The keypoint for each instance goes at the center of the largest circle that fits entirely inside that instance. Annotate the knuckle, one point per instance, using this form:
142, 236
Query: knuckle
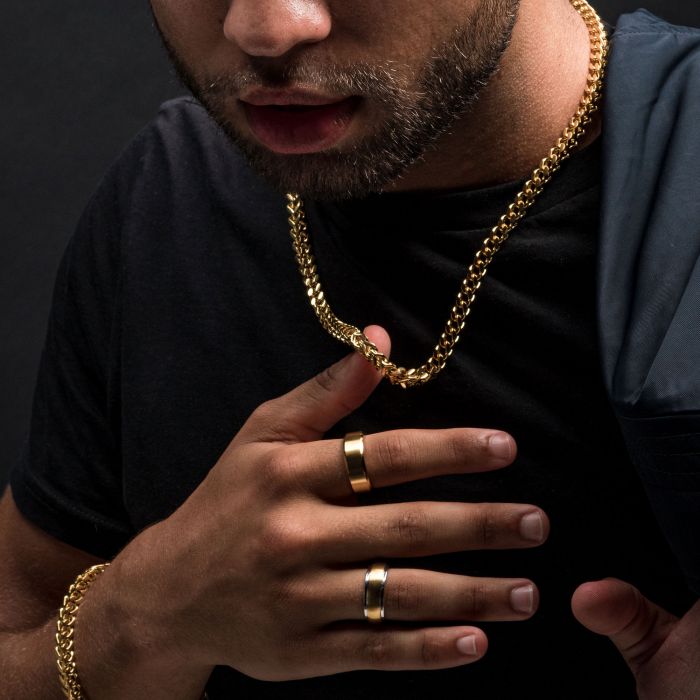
404, 595
431, 651
475, 602
264, 413
459, 444
325, 381
377, 650
486, 526
281, 596
267, 421
280, 470
471, 442
284, 540
412, 527
325, 385
294, 594
396, 453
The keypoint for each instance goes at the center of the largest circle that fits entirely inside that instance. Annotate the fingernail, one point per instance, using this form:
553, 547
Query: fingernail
532, 527
522, 599
467, 645
500, 446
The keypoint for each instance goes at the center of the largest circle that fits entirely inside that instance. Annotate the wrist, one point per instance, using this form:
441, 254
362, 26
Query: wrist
65, 627
122, 650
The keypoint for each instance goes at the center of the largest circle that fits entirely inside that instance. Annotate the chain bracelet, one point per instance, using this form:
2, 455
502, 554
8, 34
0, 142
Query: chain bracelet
65, 651
570, 138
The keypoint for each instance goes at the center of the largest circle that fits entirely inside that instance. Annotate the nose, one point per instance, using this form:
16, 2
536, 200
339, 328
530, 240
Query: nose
274, 27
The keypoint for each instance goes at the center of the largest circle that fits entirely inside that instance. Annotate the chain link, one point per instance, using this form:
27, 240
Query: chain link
65, 651
570, 138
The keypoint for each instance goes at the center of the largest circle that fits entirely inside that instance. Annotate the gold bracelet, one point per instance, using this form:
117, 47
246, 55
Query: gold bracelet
67, 670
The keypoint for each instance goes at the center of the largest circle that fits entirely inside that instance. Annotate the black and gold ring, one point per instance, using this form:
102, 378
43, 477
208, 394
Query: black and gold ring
375, 583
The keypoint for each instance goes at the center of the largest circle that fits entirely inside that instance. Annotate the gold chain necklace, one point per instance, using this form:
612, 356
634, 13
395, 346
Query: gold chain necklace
570, 138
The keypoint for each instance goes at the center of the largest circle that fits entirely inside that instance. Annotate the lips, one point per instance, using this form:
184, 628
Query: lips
288, 128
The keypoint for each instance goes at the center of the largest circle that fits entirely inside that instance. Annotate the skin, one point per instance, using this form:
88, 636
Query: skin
271, 581
534, 82
515, 119
281, 510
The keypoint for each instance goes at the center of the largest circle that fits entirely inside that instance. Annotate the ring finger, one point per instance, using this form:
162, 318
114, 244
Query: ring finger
413, 595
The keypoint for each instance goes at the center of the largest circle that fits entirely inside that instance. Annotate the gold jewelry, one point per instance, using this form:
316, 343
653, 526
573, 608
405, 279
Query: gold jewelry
67, 670
354, 449
375, 583
354, 337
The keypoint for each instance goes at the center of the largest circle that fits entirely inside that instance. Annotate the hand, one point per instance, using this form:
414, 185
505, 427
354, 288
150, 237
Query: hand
262, 568
662, 651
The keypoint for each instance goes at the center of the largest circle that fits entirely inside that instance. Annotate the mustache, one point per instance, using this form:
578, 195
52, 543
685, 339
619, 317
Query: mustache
387, 82
383, 82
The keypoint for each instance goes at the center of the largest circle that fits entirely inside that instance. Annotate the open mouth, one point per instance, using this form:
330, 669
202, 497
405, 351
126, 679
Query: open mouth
300, 128
295, 108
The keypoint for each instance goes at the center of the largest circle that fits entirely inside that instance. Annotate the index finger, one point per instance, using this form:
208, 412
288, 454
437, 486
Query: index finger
398, 456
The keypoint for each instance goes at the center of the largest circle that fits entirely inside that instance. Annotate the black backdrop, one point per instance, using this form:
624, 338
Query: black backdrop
78, 80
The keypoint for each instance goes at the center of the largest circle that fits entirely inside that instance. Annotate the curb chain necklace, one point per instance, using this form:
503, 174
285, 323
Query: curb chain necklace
354, 337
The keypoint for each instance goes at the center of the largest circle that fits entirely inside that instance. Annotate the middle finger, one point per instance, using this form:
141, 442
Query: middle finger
419, 529
396, 457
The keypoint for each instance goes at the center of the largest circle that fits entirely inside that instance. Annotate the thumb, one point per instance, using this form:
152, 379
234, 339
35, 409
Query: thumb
313, 408
618, 610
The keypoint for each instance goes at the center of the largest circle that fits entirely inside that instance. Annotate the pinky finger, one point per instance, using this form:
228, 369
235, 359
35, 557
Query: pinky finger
389, 648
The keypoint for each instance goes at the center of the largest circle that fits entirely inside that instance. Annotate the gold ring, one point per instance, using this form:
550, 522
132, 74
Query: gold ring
354, 448
375, 582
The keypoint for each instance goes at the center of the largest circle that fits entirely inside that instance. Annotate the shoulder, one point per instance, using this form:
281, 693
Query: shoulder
647, 46
182, 150
648, 274
182, 170
183, 131
644, 22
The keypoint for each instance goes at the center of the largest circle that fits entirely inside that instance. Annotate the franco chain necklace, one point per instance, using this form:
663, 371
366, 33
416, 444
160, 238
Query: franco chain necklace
570, 138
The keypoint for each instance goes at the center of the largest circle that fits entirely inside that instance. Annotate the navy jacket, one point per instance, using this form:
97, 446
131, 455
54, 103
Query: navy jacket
648, 286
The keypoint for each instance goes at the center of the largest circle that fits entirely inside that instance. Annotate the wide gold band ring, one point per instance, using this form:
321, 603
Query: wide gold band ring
354, 448
375, 583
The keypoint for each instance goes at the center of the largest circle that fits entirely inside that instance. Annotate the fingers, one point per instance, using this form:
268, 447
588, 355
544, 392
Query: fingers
417, 595
358, 647
310, 410
398, 456
618, 610
419, 529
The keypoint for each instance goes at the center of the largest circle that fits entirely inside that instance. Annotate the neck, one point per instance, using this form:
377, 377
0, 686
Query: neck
523, 110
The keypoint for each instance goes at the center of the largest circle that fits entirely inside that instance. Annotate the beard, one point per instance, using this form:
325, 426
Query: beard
415, 107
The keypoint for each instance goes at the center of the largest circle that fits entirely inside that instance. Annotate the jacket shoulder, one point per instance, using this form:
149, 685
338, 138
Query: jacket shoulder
644, 22
648, 268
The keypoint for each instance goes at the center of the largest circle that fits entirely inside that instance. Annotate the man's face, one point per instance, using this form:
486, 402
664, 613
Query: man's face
335, 98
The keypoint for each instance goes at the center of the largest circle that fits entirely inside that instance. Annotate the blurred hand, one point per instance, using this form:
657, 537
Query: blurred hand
662, 651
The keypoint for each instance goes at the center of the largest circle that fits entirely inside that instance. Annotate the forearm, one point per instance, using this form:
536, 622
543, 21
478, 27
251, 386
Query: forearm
29, 664
121, 656
111, 662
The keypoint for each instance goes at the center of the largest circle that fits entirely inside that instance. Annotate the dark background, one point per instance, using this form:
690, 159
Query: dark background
79, 79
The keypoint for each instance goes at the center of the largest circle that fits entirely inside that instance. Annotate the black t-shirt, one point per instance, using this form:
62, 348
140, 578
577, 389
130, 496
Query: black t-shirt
178, 309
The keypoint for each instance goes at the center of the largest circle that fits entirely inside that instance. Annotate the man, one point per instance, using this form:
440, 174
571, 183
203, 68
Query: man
177, 435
